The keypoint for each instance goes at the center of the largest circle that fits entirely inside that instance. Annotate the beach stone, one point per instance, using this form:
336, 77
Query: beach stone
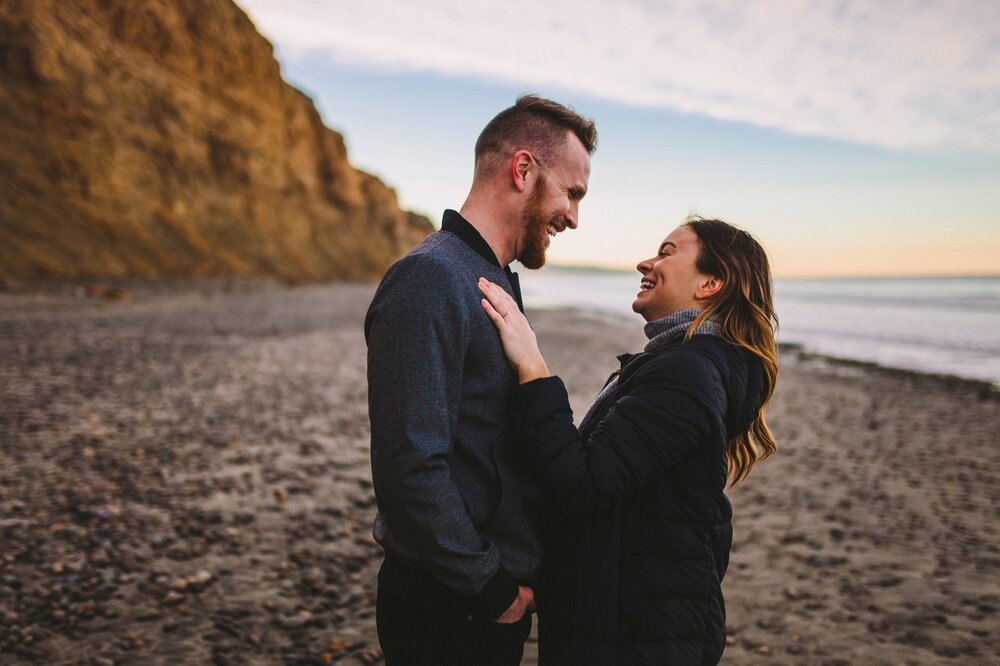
372, 656
172, 599
300, 619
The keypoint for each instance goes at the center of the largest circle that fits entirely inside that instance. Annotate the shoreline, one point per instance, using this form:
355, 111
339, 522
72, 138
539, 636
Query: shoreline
802, 356
115, 289
799, 354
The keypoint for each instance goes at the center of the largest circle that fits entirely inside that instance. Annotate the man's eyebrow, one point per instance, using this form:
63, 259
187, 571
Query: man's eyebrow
578, 192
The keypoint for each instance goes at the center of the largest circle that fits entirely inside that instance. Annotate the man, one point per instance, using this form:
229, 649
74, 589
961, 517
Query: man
458, 516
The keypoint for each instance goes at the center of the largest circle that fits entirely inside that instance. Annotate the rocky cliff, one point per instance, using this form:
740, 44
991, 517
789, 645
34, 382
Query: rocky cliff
157, 138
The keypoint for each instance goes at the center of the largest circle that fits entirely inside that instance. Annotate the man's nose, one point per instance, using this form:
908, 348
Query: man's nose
572, 220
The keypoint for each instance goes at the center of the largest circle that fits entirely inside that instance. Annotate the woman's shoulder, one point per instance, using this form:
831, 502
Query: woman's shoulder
702, 360
688, 361
717, 349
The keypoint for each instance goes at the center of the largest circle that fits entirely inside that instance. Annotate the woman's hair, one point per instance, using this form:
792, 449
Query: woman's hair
744, 310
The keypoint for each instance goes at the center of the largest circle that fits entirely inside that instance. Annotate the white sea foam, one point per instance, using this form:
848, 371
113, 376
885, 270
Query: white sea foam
941, 325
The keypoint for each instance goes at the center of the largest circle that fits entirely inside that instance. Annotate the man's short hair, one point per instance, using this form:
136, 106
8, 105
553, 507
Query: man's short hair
535, 124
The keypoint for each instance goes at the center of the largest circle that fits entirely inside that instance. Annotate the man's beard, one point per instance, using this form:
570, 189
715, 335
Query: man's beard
535, 228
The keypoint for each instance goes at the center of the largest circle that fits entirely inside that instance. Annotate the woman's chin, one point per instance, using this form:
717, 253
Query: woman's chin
638, 306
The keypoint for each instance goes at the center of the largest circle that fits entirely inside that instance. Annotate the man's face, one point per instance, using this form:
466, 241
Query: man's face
553, 205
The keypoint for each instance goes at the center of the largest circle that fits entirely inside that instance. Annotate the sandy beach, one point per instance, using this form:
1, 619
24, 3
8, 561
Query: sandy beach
184, 478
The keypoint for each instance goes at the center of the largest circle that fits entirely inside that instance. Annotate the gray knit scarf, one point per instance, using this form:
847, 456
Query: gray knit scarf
674, 327
661, 332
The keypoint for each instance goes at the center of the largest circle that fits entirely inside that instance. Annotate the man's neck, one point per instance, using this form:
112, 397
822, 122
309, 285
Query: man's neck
494, 229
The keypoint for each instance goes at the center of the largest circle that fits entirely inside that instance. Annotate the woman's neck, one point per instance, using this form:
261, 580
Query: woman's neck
674, 326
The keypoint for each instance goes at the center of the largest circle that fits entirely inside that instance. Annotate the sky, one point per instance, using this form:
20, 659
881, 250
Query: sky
852, 138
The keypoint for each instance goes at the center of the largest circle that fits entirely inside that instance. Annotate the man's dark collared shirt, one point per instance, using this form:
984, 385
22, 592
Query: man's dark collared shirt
453, 222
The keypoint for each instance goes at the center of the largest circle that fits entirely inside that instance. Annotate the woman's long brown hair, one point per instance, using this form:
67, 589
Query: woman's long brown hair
744, 309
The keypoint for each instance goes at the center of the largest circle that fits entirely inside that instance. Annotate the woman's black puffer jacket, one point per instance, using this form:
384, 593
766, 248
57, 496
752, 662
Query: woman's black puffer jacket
640, 527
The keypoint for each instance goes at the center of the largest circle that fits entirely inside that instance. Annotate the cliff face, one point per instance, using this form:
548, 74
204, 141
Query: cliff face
157, 138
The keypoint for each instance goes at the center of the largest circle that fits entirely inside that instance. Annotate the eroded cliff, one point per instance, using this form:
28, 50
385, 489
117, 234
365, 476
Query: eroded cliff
159, 139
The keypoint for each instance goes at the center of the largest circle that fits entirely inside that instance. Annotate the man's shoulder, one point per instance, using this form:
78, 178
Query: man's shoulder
438, 257
430, 283
429, 244
439, 253
434, 275
440, 244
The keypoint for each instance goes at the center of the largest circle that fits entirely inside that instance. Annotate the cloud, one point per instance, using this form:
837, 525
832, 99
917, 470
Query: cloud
903, 74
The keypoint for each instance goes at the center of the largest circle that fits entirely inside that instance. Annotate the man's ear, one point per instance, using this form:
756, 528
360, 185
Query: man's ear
708, 288
520, 168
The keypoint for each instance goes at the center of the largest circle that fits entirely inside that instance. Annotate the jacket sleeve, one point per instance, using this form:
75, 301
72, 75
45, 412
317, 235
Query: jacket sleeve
670, 410
417, 334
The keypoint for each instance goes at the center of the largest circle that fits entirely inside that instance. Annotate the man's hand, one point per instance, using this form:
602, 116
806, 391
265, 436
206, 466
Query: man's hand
524, 602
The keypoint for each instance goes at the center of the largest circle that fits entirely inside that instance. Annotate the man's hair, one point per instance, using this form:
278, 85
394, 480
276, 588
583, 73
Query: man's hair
535, 124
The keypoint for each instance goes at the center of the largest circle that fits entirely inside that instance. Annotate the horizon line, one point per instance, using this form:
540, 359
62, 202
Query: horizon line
617, 268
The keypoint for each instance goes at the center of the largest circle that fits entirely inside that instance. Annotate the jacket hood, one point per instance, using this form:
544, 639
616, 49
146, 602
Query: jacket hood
742, 376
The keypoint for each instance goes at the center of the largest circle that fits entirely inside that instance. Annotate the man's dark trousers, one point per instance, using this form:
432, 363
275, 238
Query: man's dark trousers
423, 623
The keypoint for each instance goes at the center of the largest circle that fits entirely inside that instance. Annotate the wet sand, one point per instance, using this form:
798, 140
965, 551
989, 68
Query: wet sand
184, 479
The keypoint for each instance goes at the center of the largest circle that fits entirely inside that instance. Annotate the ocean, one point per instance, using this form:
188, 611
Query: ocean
947, 325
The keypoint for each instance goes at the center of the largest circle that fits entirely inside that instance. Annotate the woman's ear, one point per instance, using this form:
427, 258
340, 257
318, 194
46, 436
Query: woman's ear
708, 288
520, 167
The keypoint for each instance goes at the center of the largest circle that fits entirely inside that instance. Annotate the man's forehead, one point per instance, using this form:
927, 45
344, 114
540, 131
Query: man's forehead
573, 164
577, 146
579, 159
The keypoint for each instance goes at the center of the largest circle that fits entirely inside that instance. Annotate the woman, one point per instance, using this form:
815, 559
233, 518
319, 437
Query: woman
641, 529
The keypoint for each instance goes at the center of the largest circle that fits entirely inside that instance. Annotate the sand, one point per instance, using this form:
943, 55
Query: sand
184, 479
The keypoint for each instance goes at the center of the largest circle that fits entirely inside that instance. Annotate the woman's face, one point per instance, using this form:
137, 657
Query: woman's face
670, 280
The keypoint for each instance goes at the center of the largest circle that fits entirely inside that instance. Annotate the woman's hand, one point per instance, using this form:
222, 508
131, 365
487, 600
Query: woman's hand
517, 337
